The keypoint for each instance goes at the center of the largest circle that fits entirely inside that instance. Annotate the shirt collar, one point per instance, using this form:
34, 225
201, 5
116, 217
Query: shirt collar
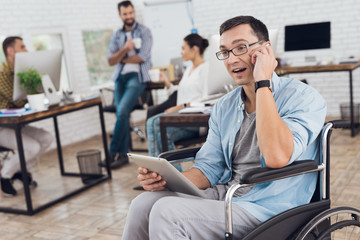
134, 27
8, 68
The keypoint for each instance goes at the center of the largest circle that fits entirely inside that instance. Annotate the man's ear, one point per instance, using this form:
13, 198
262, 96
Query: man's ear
10, 51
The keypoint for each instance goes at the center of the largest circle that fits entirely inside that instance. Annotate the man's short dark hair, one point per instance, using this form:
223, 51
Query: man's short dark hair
124, 4
9, 42
259, 28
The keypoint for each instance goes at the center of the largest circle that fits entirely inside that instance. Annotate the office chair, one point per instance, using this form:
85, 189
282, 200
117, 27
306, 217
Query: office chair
315, 220
4, 153
144, 101
304, 81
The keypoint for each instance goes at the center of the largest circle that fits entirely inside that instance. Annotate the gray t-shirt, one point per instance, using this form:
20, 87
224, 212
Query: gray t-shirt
246, 153
245, 156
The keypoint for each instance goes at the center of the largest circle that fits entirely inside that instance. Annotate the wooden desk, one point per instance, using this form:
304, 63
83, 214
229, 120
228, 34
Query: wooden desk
329, 68
180, 120
18, 122
159, 85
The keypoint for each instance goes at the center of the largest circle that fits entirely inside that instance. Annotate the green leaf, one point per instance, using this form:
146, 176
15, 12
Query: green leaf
30, 81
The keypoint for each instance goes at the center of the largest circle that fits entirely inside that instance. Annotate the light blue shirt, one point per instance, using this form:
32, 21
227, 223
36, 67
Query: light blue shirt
117, 42
303, 110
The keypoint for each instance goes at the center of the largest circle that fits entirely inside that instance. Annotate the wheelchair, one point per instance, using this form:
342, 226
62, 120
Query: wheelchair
315, 220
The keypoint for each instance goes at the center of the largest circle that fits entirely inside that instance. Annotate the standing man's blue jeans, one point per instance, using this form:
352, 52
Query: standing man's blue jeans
127, 90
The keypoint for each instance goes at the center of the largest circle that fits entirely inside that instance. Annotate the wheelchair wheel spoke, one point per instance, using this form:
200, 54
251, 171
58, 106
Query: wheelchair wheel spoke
339, 223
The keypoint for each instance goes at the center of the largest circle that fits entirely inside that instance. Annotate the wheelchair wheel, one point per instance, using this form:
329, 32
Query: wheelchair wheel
337, 223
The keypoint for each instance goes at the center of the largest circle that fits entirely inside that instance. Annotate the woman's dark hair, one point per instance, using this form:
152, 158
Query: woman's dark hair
9, 42
124, 4
257, 26
196, 40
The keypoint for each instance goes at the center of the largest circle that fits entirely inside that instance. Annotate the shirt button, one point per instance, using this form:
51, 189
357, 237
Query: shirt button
238, 121
230, 144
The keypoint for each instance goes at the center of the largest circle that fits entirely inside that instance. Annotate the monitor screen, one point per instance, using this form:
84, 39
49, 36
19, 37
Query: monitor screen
46, 62
218, 75
307, 36
273, 37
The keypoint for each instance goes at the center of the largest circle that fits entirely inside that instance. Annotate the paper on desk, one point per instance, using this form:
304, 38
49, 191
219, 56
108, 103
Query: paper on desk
12, 110
205, 110
15, 112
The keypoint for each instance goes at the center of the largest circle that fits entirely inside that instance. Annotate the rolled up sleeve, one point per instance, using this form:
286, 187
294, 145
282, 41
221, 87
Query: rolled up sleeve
305, 121
146, 44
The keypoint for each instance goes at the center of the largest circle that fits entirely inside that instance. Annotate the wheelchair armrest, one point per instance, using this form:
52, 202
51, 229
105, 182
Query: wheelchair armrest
179, 153
259, 175
341, 124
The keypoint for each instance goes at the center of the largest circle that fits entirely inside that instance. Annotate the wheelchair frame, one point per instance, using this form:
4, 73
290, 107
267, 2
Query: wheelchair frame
309, 221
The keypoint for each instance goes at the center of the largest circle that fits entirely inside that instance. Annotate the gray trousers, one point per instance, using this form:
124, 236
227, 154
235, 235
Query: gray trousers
169, 215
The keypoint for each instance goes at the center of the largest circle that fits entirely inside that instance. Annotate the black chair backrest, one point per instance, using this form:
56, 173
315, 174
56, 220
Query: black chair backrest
144, 99
159, 108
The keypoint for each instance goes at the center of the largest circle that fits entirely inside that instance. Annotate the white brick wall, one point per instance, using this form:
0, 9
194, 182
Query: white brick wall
19, 16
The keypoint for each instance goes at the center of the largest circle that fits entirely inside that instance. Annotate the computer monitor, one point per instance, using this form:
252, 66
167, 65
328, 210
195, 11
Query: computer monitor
45, 62
219, 77
273, 36
178, 67
307, 36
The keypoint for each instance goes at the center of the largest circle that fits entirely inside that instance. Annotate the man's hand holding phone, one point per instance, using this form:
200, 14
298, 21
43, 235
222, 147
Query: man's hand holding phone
264, 62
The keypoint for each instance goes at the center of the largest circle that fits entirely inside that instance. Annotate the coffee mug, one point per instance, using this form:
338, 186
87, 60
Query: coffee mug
154, 74
137, 43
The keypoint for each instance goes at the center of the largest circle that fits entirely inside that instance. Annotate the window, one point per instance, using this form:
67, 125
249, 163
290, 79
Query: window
2, 55
96, 44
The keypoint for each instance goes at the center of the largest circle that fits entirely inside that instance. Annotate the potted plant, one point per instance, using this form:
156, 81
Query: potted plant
30, 82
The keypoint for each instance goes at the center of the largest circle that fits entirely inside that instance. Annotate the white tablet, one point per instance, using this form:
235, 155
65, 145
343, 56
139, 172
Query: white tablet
175, 181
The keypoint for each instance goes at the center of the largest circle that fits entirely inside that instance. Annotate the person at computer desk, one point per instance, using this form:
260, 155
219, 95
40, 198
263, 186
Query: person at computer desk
267, 121
190, 88
130, 52
35, 140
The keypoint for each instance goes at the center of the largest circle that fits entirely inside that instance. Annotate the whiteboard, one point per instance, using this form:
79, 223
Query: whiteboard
169, 24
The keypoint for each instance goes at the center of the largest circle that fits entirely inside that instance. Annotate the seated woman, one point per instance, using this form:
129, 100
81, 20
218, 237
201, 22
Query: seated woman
190, 88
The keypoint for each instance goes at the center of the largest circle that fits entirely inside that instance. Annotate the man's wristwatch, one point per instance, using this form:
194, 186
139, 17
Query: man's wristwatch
262, 83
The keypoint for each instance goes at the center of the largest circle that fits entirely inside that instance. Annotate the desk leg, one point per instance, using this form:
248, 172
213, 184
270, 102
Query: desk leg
352, 123
58, 146
23, 169
164, 140
104, 138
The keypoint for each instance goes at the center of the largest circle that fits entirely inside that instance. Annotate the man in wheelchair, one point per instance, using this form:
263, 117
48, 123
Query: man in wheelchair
268, 121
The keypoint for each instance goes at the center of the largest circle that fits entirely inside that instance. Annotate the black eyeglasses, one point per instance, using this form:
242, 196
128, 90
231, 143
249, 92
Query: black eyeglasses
237, 51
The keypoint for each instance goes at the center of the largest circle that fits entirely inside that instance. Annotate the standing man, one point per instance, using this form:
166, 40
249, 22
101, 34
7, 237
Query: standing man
267, 121
35, 140
133, 62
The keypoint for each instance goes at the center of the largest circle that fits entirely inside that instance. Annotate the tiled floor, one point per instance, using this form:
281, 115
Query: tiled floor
100, 212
